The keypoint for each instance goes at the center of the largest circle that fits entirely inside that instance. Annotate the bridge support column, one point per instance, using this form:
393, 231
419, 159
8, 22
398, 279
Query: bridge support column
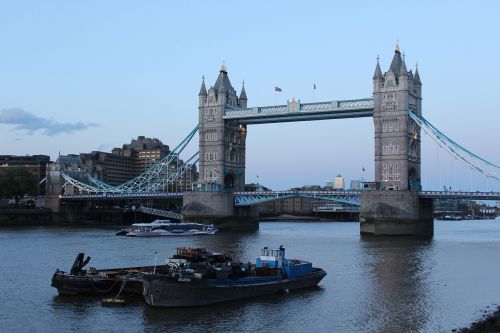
218, 208
53, 202
396, 213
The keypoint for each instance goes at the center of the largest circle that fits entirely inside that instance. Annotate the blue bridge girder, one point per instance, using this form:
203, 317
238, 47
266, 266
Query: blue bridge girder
460, 195
121, 196
296, 111
255, 198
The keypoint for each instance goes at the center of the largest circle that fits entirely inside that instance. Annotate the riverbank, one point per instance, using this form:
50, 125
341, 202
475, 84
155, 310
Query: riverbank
489, 324
46, 217
25, 217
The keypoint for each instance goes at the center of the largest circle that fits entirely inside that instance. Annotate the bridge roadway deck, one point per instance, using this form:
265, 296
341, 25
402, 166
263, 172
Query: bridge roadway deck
121, 196
282, 194
296, 111
460, 195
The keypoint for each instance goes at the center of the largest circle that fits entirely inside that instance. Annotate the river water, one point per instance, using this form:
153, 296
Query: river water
373, 284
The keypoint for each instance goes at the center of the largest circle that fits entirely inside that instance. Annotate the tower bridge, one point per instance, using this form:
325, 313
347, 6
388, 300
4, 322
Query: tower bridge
394, 208
398, 206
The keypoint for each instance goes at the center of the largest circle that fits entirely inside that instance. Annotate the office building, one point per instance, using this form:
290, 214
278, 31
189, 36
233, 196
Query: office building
35, 164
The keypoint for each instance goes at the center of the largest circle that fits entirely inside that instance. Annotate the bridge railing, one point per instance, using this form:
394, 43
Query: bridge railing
331, 106
110, 196
340, 192
461, 194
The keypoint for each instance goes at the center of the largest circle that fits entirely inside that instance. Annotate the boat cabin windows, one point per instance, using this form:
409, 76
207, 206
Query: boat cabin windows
272, 254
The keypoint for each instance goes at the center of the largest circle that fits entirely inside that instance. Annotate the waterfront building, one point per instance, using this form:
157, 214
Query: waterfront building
290, 206
127, 162
338, 183
452, 207
355, 185
132, 159
113, 169
255, 187
335, 210
35, 164
144, 152
72, 166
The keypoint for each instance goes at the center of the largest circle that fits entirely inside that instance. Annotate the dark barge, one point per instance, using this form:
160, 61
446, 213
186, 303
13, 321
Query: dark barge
91, 281
79, 281
184, 283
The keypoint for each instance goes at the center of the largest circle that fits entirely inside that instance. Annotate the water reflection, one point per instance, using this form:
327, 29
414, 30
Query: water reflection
249, 315
399, 269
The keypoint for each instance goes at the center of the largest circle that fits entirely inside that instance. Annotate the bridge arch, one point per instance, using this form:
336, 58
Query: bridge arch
413, 179
229, 181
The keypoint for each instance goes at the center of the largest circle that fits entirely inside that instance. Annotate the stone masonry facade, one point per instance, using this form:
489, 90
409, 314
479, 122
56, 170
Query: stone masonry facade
222, 143
397, 137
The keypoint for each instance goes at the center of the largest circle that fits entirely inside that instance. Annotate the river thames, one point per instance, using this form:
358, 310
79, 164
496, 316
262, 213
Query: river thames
373, 284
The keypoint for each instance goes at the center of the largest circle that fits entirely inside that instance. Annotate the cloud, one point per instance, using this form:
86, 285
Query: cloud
24, 120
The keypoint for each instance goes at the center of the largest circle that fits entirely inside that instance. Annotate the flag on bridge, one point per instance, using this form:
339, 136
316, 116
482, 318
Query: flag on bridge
277, 89
314, 85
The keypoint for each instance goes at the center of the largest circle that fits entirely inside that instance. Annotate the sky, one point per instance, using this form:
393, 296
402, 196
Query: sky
83, 76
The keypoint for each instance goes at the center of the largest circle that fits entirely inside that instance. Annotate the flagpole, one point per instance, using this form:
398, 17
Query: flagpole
274, 96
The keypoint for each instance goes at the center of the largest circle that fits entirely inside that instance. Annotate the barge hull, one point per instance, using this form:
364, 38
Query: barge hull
163, 291
68, 284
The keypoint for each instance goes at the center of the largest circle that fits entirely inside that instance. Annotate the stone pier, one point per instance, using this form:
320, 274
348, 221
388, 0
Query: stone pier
395, 213
218, 208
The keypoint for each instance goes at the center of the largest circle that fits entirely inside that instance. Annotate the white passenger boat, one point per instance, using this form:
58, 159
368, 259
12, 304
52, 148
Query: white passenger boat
167, 228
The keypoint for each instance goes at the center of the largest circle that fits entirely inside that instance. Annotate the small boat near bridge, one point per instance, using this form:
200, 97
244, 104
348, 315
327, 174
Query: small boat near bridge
167, 228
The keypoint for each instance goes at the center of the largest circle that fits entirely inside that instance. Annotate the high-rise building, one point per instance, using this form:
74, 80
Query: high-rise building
125, 163
111, 168
338, 183
145, 152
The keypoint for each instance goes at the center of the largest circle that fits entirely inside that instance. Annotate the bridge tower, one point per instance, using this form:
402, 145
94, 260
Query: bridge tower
397, 137
396, 208
222, 143
221, 160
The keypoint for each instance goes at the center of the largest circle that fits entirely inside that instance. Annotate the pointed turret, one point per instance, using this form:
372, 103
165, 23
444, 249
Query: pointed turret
203, 89
242, 101
222, 84
378, 78
243, 94
416, 78
223, 90
403, 71
378, 72
396, 61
